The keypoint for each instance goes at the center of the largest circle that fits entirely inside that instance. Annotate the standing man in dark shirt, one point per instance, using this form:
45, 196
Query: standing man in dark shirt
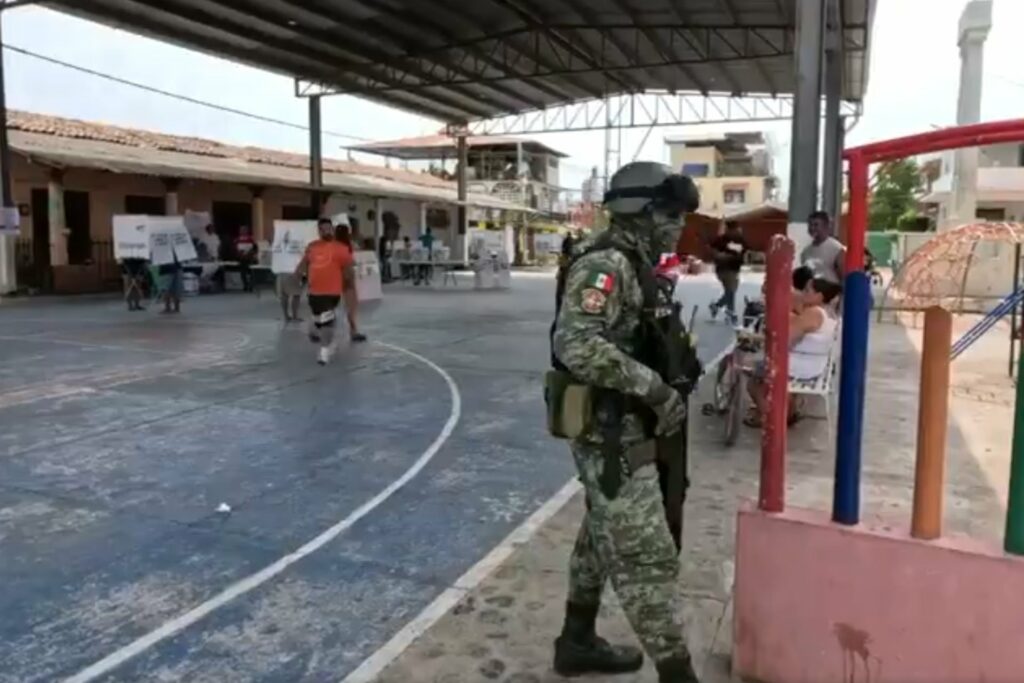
729, 250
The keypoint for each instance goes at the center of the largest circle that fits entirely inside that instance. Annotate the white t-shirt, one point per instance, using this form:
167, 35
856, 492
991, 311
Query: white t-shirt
821, 258
212, 242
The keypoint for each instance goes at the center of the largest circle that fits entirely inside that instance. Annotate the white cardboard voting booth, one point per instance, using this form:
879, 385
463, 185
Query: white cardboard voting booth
158, 239
291, 239
367, 269
491, 269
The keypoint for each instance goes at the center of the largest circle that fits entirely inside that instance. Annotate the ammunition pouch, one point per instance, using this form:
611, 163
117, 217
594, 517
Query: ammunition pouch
569, 405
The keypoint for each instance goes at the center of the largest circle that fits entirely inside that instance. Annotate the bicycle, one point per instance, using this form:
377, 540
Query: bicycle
731, 375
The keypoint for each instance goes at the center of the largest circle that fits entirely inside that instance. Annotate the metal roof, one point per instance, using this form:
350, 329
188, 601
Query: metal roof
441, 146
83, 144
463, 61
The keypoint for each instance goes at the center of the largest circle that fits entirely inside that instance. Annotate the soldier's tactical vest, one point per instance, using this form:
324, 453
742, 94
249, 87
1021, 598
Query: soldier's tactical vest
661, 342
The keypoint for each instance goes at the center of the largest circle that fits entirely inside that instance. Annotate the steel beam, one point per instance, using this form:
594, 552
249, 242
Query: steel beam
321, 51
610, 36
538, 23
641, 110
803, 175
8, 233
386, 30
439, 28
730, 9
667, 51
572, 63
316, 157
832, 163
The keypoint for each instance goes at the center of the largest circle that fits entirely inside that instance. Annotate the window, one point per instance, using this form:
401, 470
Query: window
1020, 155
735, 196
696, 170
998, 214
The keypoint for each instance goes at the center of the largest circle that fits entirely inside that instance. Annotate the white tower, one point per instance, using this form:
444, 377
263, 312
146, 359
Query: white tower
975, 23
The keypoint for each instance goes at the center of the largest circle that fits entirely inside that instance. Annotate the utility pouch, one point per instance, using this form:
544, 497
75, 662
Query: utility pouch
570, 405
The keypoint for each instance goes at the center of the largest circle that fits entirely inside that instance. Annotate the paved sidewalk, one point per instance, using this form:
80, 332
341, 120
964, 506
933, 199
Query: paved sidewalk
502, 629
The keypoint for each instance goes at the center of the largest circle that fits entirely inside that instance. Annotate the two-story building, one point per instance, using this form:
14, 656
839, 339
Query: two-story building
1000, 187
517, 170
732, 170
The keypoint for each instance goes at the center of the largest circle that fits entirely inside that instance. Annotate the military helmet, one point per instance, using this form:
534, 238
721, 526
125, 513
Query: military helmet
643, 186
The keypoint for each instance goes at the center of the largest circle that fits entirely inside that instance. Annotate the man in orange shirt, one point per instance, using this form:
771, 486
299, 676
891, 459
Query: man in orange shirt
324, 264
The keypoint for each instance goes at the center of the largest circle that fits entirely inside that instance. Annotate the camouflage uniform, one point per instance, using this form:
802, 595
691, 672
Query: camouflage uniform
625, 539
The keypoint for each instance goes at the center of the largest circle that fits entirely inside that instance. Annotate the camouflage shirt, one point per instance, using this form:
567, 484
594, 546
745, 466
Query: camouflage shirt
596, 327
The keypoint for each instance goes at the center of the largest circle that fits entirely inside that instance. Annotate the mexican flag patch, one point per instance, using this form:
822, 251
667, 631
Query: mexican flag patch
602, 281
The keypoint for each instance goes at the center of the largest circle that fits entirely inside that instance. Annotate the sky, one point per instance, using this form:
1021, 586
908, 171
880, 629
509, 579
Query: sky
912, 86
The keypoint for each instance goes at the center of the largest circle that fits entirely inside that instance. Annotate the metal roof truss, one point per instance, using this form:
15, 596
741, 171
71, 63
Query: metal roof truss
642, 110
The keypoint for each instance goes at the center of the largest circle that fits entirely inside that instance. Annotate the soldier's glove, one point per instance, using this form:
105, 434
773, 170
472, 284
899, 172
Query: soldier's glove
670, 408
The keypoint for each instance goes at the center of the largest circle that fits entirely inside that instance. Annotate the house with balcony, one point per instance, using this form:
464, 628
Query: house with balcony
1000, 187
515, 169
734, 171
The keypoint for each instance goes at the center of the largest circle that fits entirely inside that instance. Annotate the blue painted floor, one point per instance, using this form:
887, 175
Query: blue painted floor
123, 432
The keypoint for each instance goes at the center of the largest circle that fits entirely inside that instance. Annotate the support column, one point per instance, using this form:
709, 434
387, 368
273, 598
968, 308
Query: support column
9, 222
422, 228
316, 171
58, 228
462, 247
378, 220
171, 186
932, 425
803, 173
975, 23
259, 218
832, 166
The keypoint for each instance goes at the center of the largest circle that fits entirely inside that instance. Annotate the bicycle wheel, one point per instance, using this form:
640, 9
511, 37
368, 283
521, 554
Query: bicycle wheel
727, 393
723, 385
734, 415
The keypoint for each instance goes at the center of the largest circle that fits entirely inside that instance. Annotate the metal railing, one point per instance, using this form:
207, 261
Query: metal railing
1005, 307
39, 275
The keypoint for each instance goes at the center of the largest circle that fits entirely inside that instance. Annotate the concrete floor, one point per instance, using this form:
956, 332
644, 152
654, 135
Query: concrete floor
502, 628
123, 432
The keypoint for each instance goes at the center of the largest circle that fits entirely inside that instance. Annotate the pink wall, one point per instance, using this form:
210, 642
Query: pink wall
820, 603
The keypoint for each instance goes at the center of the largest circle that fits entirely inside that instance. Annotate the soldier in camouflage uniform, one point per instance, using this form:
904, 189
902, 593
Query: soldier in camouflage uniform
625, 537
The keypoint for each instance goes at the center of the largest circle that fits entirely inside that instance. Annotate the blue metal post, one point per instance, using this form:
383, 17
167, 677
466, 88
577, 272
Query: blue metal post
852, 378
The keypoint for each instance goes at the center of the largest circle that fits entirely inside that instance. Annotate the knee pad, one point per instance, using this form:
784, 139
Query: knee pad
324, 319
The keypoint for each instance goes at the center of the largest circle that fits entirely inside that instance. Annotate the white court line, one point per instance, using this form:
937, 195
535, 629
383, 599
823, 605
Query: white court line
373, 665
183, 621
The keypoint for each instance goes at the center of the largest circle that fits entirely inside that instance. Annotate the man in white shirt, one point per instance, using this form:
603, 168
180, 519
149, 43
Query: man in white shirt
825, 255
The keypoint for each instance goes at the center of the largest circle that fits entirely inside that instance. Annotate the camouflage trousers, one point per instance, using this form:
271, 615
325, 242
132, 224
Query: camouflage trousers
627, 540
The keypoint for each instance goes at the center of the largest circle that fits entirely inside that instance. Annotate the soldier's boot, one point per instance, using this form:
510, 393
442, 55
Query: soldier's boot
579, 650
677, 670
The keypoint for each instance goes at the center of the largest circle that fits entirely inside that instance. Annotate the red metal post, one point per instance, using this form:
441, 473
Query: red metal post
858, 218
778, 290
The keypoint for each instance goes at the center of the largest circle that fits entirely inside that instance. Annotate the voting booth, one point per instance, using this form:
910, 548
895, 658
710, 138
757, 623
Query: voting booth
491, 266
161, 240
291, 239
367, 267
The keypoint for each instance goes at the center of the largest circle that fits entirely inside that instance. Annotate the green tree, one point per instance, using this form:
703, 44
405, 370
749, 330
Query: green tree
894, 195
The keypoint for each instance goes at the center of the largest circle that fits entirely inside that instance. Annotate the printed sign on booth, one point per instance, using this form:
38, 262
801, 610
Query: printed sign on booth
131, 237
160, 239
290, 241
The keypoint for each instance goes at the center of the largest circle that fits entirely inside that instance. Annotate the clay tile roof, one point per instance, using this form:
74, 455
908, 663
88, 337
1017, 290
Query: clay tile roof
131, 137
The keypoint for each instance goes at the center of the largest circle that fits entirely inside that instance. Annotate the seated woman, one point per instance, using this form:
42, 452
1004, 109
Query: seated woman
811, 335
